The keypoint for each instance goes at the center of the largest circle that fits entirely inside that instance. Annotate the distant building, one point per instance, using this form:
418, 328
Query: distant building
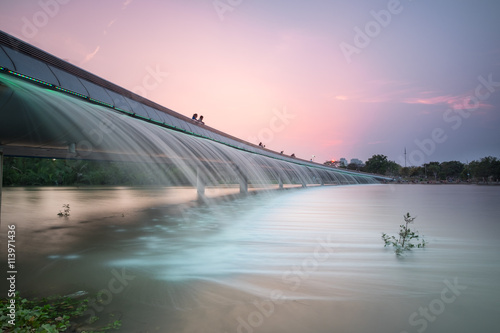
343, 162
357, 162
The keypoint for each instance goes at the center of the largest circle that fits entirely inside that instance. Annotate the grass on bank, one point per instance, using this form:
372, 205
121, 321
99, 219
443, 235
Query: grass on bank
51, 315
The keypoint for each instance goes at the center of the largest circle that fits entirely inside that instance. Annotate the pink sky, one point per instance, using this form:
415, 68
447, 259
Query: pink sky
259, 59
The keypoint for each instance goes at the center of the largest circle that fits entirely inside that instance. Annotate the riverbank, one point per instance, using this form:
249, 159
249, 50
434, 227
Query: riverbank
441, 182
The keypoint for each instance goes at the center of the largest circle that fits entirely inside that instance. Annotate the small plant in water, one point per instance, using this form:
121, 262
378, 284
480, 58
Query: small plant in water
406, 236
65, 212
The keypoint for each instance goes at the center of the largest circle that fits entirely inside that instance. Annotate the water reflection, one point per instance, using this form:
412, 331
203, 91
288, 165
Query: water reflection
313, 256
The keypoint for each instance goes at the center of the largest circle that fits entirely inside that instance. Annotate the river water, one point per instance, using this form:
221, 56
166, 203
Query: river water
300, 260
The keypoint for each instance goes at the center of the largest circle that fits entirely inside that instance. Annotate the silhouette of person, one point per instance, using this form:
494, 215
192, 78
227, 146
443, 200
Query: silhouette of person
293, 155
195, 116
201, 120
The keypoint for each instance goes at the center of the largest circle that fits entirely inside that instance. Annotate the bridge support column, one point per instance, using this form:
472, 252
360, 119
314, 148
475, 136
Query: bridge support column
321, 181
244, 185
200, 183
280, 183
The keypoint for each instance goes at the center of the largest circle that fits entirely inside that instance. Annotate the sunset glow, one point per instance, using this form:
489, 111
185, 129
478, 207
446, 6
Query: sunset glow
325, 78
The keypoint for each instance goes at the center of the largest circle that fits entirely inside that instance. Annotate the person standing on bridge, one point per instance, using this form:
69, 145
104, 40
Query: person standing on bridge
201, 120
195, 116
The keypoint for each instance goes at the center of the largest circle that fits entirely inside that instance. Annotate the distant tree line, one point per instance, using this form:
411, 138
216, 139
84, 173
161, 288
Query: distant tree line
487, 169
19, 171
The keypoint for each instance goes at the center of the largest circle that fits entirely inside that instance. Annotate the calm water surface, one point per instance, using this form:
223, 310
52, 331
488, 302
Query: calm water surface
292, 261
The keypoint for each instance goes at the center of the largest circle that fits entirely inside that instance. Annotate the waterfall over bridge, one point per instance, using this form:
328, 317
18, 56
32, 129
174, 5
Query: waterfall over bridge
52, 109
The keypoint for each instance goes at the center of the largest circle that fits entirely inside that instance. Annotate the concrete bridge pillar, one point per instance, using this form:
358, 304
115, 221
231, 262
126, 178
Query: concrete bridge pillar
200, 183
280, 183
242, 179
243, 185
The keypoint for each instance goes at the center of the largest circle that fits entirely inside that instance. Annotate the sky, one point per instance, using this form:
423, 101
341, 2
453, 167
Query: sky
321, 79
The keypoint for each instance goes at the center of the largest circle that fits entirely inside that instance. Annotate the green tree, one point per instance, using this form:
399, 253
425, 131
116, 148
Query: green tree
485, 169
432, 168
417, 171
404, 172
353, 166
451, 169
393, 169
377, 164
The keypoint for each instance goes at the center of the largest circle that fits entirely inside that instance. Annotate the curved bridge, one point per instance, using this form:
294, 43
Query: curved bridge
50, 108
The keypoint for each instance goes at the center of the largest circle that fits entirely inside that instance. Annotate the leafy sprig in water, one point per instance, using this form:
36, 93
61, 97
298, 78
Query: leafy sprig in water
406, 237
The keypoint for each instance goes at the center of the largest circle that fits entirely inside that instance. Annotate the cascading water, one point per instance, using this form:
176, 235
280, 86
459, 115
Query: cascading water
46, 119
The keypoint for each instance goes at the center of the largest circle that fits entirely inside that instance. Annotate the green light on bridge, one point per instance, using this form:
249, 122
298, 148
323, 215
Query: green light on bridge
31, 78
71, 92
142, 117
157, 121
99, 102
